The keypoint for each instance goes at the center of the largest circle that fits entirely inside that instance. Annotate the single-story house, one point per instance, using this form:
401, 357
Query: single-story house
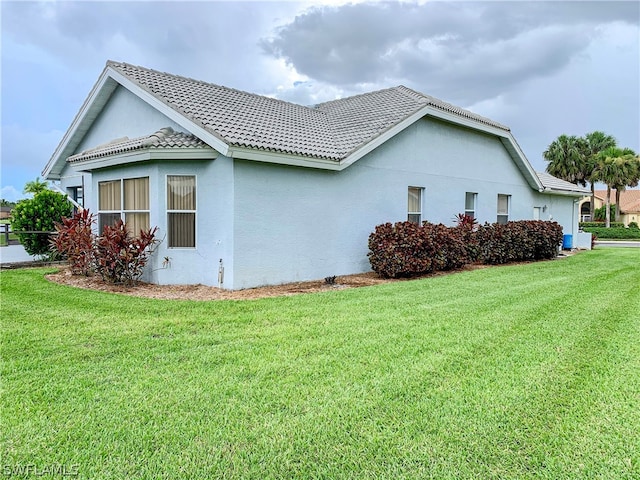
248, 190
629, 205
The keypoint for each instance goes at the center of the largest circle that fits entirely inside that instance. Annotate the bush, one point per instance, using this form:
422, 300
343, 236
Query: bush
584, 225
119, 256
633, 225
600, 214
75, 241
517, 241
406, 249
39, 214
619, 233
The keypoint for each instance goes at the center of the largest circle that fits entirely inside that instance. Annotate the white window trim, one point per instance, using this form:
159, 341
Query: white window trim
498, 214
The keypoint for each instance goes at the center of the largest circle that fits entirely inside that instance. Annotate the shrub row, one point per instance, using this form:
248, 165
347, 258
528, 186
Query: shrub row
584, 225
116, 255
617, 233
405, 249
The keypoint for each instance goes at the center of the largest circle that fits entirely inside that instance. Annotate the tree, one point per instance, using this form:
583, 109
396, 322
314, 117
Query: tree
629, 175
39, 214
35, 186
616, 168
566, 157
596, 142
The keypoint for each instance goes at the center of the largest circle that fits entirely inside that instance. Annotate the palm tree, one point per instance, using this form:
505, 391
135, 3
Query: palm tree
629, 176
617, 168
566, 157
36, 186
596, 142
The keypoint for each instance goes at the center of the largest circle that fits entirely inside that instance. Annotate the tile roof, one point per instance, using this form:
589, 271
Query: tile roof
554, 183
329, 130
163, 138
629, 199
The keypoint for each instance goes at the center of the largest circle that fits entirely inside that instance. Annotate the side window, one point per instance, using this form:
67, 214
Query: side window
109, 203
414, 207
126, 199
470, 204
503, 208
181, 211
136, 204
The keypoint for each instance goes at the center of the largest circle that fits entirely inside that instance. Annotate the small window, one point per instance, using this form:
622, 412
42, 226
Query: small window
414, 209
503, 208
470, 204
181, 211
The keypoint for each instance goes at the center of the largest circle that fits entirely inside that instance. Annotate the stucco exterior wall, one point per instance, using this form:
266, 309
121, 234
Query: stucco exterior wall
125, 115
295, 224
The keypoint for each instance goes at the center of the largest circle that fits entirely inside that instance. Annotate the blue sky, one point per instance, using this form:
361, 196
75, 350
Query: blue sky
542, 68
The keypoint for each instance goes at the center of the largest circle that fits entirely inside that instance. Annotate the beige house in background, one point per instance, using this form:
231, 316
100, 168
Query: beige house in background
629, 205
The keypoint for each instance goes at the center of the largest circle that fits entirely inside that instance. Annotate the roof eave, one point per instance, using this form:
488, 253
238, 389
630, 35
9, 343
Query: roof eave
145, 156
90, 109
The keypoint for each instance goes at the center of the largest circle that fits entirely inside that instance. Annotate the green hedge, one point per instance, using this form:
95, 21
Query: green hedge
614, 233
585, 225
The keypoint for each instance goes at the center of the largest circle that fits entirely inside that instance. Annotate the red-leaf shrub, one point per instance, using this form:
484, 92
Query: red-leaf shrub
405, 249
74, 241
518, 241
119, 256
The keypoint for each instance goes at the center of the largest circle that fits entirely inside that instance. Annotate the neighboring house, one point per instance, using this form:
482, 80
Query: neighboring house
5, 212
248, 190
629, 205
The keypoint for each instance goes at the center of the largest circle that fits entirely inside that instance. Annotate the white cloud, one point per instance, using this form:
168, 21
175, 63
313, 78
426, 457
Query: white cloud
12, 194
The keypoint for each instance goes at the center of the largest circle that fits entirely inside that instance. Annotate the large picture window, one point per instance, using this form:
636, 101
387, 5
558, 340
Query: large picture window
181, 211
126, 200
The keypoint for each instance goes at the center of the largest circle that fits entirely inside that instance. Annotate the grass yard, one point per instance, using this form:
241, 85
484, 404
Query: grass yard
525, 371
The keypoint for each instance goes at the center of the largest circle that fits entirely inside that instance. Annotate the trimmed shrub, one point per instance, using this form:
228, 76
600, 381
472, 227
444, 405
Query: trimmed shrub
405, 249
522, 240
620, 233
39, 214
584, 225
633, 225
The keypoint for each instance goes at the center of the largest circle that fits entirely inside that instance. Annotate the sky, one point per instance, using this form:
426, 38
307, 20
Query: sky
542, 68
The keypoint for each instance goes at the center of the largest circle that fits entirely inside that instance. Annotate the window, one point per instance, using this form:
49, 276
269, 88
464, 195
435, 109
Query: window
130, 193
414, 208
503, 208
181, 211
76, 194
470, 204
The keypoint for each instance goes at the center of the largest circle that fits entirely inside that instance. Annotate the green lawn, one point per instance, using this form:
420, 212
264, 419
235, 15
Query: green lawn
527, 371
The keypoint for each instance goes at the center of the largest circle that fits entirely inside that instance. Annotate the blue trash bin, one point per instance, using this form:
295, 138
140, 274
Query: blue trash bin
567, 242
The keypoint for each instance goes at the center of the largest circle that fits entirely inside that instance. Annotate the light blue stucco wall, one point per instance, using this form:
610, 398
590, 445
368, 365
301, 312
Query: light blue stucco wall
296, 224
125, 115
